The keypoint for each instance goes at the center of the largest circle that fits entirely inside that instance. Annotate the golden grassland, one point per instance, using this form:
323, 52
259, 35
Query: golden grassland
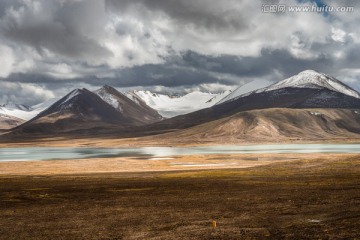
306, 197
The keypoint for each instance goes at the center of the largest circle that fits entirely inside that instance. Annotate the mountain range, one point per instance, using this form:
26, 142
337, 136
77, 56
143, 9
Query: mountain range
165, 105
308, 105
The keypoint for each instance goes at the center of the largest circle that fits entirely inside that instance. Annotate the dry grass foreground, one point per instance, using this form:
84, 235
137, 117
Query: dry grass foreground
313, 198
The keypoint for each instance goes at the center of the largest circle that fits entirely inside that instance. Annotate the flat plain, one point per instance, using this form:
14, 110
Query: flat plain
311, 197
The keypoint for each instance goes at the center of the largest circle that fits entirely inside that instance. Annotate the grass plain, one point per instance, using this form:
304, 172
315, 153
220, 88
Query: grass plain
310, 197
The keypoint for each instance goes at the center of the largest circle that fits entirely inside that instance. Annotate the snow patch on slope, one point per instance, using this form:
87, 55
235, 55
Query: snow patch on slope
169, 106
15, 106
244, 89
70, 96
109, 98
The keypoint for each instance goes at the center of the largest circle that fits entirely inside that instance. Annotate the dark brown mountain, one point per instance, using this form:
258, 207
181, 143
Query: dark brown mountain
80, 109
7, 122
137, 110
271, 125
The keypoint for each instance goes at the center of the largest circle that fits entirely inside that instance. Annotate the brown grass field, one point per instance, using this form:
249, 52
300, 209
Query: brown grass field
308, 197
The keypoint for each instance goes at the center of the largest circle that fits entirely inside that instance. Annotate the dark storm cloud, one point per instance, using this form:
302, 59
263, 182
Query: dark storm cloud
54, 37
201, 14
269, 60
166, 74
192, 68
61, 30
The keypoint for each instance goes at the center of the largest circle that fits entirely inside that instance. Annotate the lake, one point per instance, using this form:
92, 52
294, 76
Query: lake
158, 153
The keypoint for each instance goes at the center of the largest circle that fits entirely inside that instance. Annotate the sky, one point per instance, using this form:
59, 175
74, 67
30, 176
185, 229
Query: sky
49, 47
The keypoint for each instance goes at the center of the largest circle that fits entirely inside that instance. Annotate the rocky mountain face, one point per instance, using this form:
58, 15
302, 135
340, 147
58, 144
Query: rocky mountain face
135, 110
80, 109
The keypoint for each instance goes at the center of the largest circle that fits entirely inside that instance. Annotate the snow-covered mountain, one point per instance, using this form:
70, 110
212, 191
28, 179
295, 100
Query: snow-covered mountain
308, 79
82, 103
13, 106
79, 109
306, 90
24, 112
82, 109
170, 106
16, 110
312, 80
137, 110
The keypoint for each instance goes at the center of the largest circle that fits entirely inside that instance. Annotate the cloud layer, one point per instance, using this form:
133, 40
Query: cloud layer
51, 46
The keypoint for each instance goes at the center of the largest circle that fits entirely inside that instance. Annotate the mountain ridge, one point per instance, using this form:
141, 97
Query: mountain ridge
271, 125
281, 97
307, 90
79, 109
312, 79
138, 110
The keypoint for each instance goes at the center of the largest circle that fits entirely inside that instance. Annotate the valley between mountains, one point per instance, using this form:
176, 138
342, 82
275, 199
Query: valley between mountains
307, 107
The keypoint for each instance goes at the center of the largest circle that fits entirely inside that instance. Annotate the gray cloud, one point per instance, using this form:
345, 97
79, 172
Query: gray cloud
61, 30
214, 16
167, 44
28, 94
191, 68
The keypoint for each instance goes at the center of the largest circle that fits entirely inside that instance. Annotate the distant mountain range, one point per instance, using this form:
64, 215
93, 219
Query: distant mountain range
105, 107
309, 104
142, 107
24, 112
165, 105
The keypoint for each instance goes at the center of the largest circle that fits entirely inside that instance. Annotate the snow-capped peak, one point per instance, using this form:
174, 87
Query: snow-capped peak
74, 93
15, 106
104, 90
70, 96
106, 93
312, 79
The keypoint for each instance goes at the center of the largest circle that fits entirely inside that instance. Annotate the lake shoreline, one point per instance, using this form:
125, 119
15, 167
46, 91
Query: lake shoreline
153, 153
177, 163
150, 141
